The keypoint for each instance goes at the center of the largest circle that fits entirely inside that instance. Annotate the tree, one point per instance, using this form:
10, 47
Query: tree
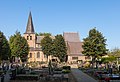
59, 48
108, 59
46, 44
19, 46
115, 52
43, 34
4, 48
94, 45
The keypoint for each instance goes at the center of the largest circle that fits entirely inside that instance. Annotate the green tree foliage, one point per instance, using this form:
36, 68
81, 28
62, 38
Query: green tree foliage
4, 48
108, 59
94, 45
59, 48
43, 34
19, 46
56, 47
46, 44
115, 52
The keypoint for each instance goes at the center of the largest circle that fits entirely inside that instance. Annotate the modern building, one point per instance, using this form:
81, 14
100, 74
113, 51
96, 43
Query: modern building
73, 43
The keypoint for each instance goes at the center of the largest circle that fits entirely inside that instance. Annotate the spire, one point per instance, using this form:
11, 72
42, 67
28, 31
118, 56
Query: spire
30, 27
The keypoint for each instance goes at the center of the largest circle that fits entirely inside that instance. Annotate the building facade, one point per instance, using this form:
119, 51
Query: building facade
35, 53
74, 46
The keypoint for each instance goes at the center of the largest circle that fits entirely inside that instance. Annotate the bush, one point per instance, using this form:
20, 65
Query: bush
33, 73
67, 67
27, 77
58, 69
66, 71
1, 72
19, 71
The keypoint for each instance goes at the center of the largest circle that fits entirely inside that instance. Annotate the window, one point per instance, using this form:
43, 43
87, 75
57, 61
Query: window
30, 55
30, 37
38, 55
74, 58
27, 37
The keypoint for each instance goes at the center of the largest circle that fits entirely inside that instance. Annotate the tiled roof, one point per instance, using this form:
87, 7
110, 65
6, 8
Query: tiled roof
73, 43
71, 37
75, 54
74, 48
35, 49
39, 38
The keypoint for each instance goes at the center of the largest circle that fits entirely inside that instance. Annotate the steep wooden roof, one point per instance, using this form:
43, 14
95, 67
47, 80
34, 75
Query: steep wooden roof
73, 43
71, 37
74, 48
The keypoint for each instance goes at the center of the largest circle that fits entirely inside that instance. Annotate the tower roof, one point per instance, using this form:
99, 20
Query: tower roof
30, 27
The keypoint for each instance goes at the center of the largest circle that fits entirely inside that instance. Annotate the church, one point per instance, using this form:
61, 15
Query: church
74, 45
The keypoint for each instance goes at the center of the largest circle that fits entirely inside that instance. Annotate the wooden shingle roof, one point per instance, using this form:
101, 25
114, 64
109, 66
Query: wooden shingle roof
75, 47
73, 43
71, 37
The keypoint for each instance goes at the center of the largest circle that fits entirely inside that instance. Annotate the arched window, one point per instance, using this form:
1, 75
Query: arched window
38, 55
30, 37
30, 55
27, 37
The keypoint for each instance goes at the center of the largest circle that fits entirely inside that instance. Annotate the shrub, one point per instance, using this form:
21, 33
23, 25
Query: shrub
27, 77
58, 69
65, 71
67, 67
1, 72
33, 73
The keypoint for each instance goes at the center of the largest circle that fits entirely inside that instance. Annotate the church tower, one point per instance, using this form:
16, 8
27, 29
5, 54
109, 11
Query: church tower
30, 33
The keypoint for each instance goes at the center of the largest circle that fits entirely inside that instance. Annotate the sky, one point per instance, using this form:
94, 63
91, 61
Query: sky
58, 16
